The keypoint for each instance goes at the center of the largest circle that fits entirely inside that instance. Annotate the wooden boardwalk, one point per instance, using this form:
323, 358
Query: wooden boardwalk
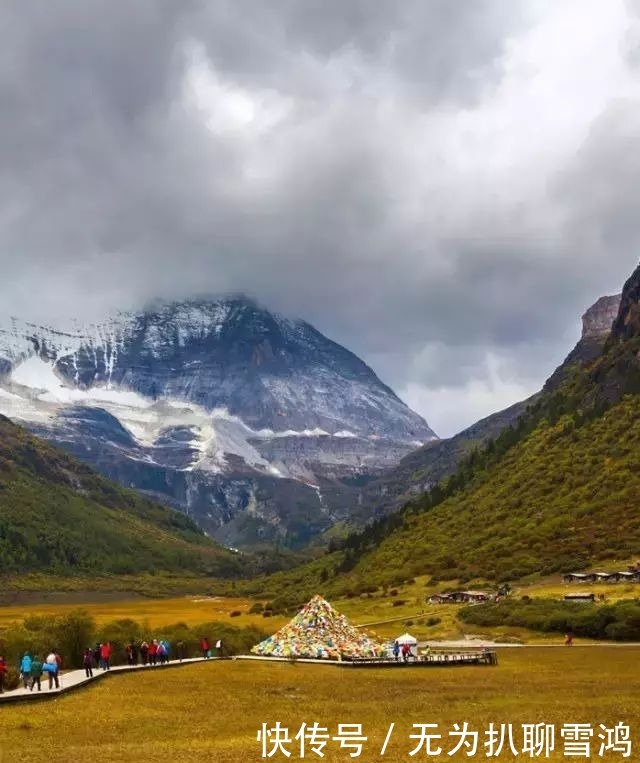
435, 659
72, 680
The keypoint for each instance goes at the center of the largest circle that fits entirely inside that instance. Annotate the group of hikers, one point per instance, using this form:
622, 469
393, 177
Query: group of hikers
32, 668
154, 652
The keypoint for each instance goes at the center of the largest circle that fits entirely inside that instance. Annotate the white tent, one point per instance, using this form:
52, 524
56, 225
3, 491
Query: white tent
407, 638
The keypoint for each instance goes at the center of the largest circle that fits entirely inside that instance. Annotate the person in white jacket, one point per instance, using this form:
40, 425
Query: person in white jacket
52, 667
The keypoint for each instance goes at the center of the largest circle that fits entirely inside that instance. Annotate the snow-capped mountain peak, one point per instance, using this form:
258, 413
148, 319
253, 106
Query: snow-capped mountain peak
209, 394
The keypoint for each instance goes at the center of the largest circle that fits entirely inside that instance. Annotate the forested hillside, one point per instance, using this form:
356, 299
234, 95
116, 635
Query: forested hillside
56, 515
557, 490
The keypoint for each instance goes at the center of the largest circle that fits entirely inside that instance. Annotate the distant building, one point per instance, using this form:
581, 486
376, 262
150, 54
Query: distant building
460, 597
440, 598
586, 597
632, 575
606, 577
578, 577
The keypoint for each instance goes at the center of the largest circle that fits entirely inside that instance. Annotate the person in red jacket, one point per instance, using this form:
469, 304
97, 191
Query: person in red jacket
105, 655
153, 652
205, 647
3, 672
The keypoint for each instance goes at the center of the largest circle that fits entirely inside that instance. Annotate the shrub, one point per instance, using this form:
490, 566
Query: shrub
12, 679
431, 621
256, 608
398, 602
235, 613
67, 632
619, 621
393, 592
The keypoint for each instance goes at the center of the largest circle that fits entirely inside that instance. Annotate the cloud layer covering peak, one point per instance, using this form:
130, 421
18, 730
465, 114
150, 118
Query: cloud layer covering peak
442, 187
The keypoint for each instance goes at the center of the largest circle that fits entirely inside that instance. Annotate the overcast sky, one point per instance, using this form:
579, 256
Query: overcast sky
441, 186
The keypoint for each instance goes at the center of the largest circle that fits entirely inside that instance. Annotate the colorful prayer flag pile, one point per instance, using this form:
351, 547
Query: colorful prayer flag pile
319, 631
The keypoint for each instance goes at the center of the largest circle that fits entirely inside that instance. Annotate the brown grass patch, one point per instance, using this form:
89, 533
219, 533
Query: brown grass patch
212, 712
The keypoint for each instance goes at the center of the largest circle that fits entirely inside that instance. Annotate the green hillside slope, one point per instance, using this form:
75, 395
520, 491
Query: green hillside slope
565, 496
557, 490
56, 515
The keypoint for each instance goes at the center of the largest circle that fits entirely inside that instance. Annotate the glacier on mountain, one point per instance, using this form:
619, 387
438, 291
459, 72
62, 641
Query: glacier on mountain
255, 424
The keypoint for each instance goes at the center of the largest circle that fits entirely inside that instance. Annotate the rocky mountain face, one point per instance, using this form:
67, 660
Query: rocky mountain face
598, 319
617, 372
257, 426
596, 327
626, 325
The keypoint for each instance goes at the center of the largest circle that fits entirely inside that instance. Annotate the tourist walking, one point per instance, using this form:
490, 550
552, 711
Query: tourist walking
153, 652
205, 646
181, 650
161, 653
131, 653
144, 652
396, 650
87, 661
36, 673
3, 672
25, 669
96, 655
52, 668
406, 651
105, 656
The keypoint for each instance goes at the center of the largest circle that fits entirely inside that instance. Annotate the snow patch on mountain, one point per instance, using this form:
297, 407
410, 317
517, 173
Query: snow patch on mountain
37, 392
213, 405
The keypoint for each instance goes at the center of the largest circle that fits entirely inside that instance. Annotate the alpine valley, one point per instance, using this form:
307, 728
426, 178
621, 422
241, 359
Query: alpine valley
545, 488
258, 427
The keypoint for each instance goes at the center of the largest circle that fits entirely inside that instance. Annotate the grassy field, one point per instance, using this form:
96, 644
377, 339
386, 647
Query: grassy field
212, 712
425, 621
190, 610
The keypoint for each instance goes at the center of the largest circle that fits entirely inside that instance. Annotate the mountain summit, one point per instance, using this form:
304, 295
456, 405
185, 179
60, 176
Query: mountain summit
256, 424
272, 372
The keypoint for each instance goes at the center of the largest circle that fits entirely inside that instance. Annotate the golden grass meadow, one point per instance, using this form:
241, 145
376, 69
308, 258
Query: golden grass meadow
379, 609
212, 711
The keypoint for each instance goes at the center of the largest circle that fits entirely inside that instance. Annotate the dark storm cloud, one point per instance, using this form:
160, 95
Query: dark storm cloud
443, 187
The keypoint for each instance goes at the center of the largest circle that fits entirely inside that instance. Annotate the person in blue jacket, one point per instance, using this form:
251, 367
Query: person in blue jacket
25, 668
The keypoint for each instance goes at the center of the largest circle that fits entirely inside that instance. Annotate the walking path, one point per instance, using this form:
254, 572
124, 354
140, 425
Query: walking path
75, 679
